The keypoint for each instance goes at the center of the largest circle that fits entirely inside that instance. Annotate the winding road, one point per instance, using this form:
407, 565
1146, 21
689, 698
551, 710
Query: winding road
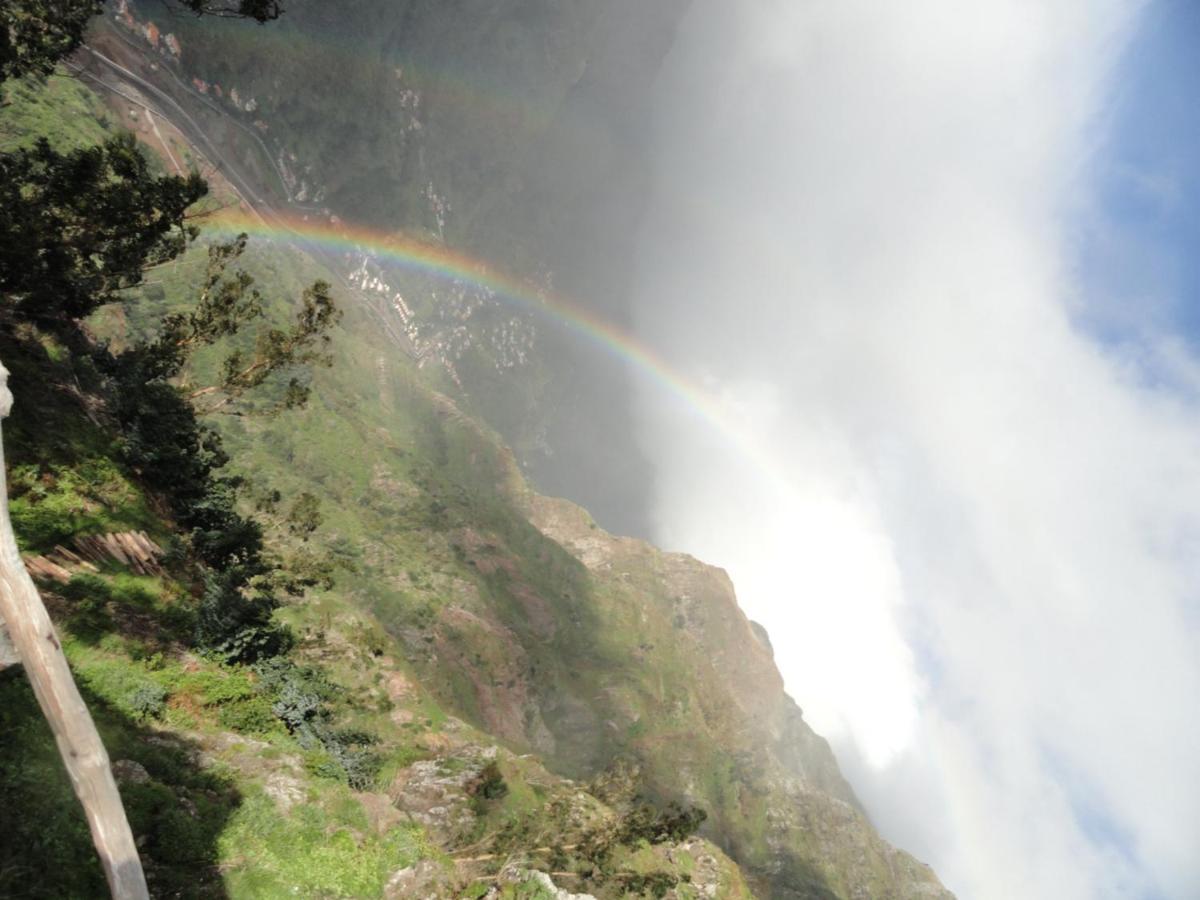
98, 67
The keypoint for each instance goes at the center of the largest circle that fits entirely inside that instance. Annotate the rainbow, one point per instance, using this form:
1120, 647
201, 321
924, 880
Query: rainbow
442, 263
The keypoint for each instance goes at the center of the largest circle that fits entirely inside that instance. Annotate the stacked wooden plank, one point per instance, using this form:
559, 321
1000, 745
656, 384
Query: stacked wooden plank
133, 549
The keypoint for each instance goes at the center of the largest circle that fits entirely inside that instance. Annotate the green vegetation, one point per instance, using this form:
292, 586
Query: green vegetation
77, 227
370, 653
50, 503
36, 34
313, 852
60, 108
207, 651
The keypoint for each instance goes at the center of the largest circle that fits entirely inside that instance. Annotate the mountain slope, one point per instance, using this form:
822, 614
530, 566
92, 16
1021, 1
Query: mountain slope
499, 678
522, 616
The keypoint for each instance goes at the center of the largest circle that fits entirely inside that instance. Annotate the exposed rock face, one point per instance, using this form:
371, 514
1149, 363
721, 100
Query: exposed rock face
587, 649
427, 880
126, 771
777, 800
286, 790
434, 793
536, 879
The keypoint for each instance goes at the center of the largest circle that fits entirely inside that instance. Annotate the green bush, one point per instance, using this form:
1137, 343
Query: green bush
489, 784
43, 521
237, 627
147, 701
252, 716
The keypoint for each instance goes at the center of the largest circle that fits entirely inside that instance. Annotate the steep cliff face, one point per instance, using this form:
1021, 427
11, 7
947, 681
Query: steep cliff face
645, 656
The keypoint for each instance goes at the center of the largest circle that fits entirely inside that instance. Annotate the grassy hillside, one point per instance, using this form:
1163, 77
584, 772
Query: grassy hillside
329, 771
491, 692
325, 772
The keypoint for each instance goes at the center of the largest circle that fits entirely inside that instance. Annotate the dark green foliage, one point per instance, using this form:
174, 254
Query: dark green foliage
177, 456
638, 824
235, 622
299, 699
163, 439
221, 536
225, 304
298, 565
645, 823
92, 600
305, 516
637, 884
350, 749
148, 701
76, 228
87, 597
278, 350
489, 784
253, 715
301, 694
306, 567
168, 831
35, 34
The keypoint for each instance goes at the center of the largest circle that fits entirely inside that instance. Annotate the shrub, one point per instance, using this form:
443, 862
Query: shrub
253, 716
489, 784
47, 520
675, 823
300, 695
235, 626
147, 701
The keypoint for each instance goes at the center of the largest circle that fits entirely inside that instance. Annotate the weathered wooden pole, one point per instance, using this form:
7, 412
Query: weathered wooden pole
34, 642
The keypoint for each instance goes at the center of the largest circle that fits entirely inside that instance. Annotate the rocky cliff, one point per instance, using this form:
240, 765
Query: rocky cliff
646, 658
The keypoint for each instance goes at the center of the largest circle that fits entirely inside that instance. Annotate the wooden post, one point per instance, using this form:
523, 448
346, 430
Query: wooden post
36, 644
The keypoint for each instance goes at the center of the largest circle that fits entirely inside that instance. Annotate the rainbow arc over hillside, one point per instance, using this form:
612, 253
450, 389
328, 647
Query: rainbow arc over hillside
443, 263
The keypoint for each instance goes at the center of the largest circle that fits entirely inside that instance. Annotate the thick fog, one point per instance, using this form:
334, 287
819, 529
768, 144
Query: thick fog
969, 526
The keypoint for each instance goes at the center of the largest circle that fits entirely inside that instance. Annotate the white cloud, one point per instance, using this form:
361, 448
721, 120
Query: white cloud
980, 565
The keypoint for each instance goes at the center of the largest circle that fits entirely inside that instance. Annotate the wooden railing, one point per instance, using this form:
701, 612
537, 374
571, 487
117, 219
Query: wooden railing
32, 641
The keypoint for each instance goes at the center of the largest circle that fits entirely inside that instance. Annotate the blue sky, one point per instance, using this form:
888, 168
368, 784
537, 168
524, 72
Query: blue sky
1140, 250
1139, 259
